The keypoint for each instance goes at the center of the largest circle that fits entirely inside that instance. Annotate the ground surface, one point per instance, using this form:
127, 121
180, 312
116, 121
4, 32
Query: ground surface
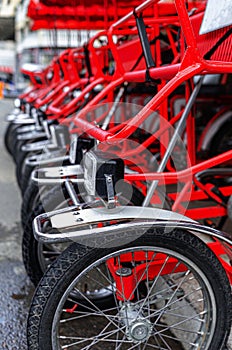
15, 288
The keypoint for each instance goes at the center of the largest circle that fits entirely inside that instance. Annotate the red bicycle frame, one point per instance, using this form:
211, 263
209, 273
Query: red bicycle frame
193, 63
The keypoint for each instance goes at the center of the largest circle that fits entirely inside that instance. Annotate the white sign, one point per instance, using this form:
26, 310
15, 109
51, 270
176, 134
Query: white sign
218, 14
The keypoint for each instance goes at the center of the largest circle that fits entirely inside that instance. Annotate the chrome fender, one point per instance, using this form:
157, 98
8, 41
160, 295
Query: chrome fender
74, 223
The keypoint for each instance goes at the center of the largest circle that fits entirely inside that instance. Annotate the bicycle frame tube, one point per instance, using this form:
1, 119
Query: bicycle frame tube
178, 131
182, 175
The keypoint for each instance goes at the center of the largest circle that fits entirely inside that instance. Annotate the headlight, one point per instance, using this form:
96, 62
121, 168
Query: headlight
96, 166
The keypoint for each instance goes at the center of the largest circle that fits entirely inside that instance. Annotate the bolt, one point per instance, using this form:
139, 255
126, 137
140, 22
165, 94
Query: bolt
124, 272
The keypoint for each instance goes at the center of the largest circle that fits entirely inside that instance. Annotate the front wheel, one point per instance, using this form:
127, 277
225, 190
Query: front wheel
170, 292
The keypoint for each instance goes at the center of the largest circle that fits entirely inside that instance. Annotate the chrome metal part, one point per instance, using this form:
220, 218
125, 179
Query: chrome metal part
113, 108
24, 121
36, 146
73, 148
111, 202
72, 192
53, 135
31, 135
124, 272
12, 116
73, 223
26, 128
18, 116
138, 327
140, 330
59, 174
46, 128
45, 158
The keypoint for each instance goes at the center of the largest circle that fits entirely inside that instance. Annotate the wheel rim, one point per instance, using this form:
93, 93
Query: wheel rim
175, 311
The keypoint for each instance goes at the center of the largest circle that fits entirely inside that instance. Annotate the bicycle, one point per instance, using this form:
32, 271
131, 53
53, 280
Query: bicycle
152, 263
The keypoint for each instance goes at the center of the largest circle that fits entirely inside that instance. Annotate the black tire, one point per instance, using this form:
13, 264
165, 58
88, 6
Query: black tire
9, 137
37, 256
18, 150
31, 200
26, 175
17, 145
23, 171
201, 285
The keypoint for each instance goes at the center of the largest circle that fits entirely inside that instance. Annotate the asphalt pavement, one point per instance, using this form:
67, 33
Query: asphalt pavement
15, 288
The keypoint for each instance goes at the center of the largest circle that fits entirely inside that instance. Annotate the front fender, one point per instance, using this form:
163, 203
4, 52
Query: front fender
72, 223
84, 226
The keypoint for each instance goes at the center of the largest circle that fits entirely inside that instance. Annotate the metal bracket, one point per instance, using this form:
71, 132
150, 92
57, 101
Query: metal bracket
27, 121
54, 157
71, 191
26, 129
58, 175
73, 223
31, 135
111, 202
35, 146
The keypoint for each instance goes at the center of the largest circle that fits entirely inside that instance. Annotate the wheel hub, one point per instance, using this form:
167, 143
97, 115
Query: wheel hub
140, 330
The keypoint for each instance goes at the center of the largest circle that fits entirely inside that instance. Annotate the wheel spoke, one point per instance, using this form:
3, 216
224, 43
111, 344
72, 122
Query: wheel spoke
173, 295
100, 335
82, 315
182, 340
154, 283
98, 282
181, 322
164, 341
96, 308
170, 306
